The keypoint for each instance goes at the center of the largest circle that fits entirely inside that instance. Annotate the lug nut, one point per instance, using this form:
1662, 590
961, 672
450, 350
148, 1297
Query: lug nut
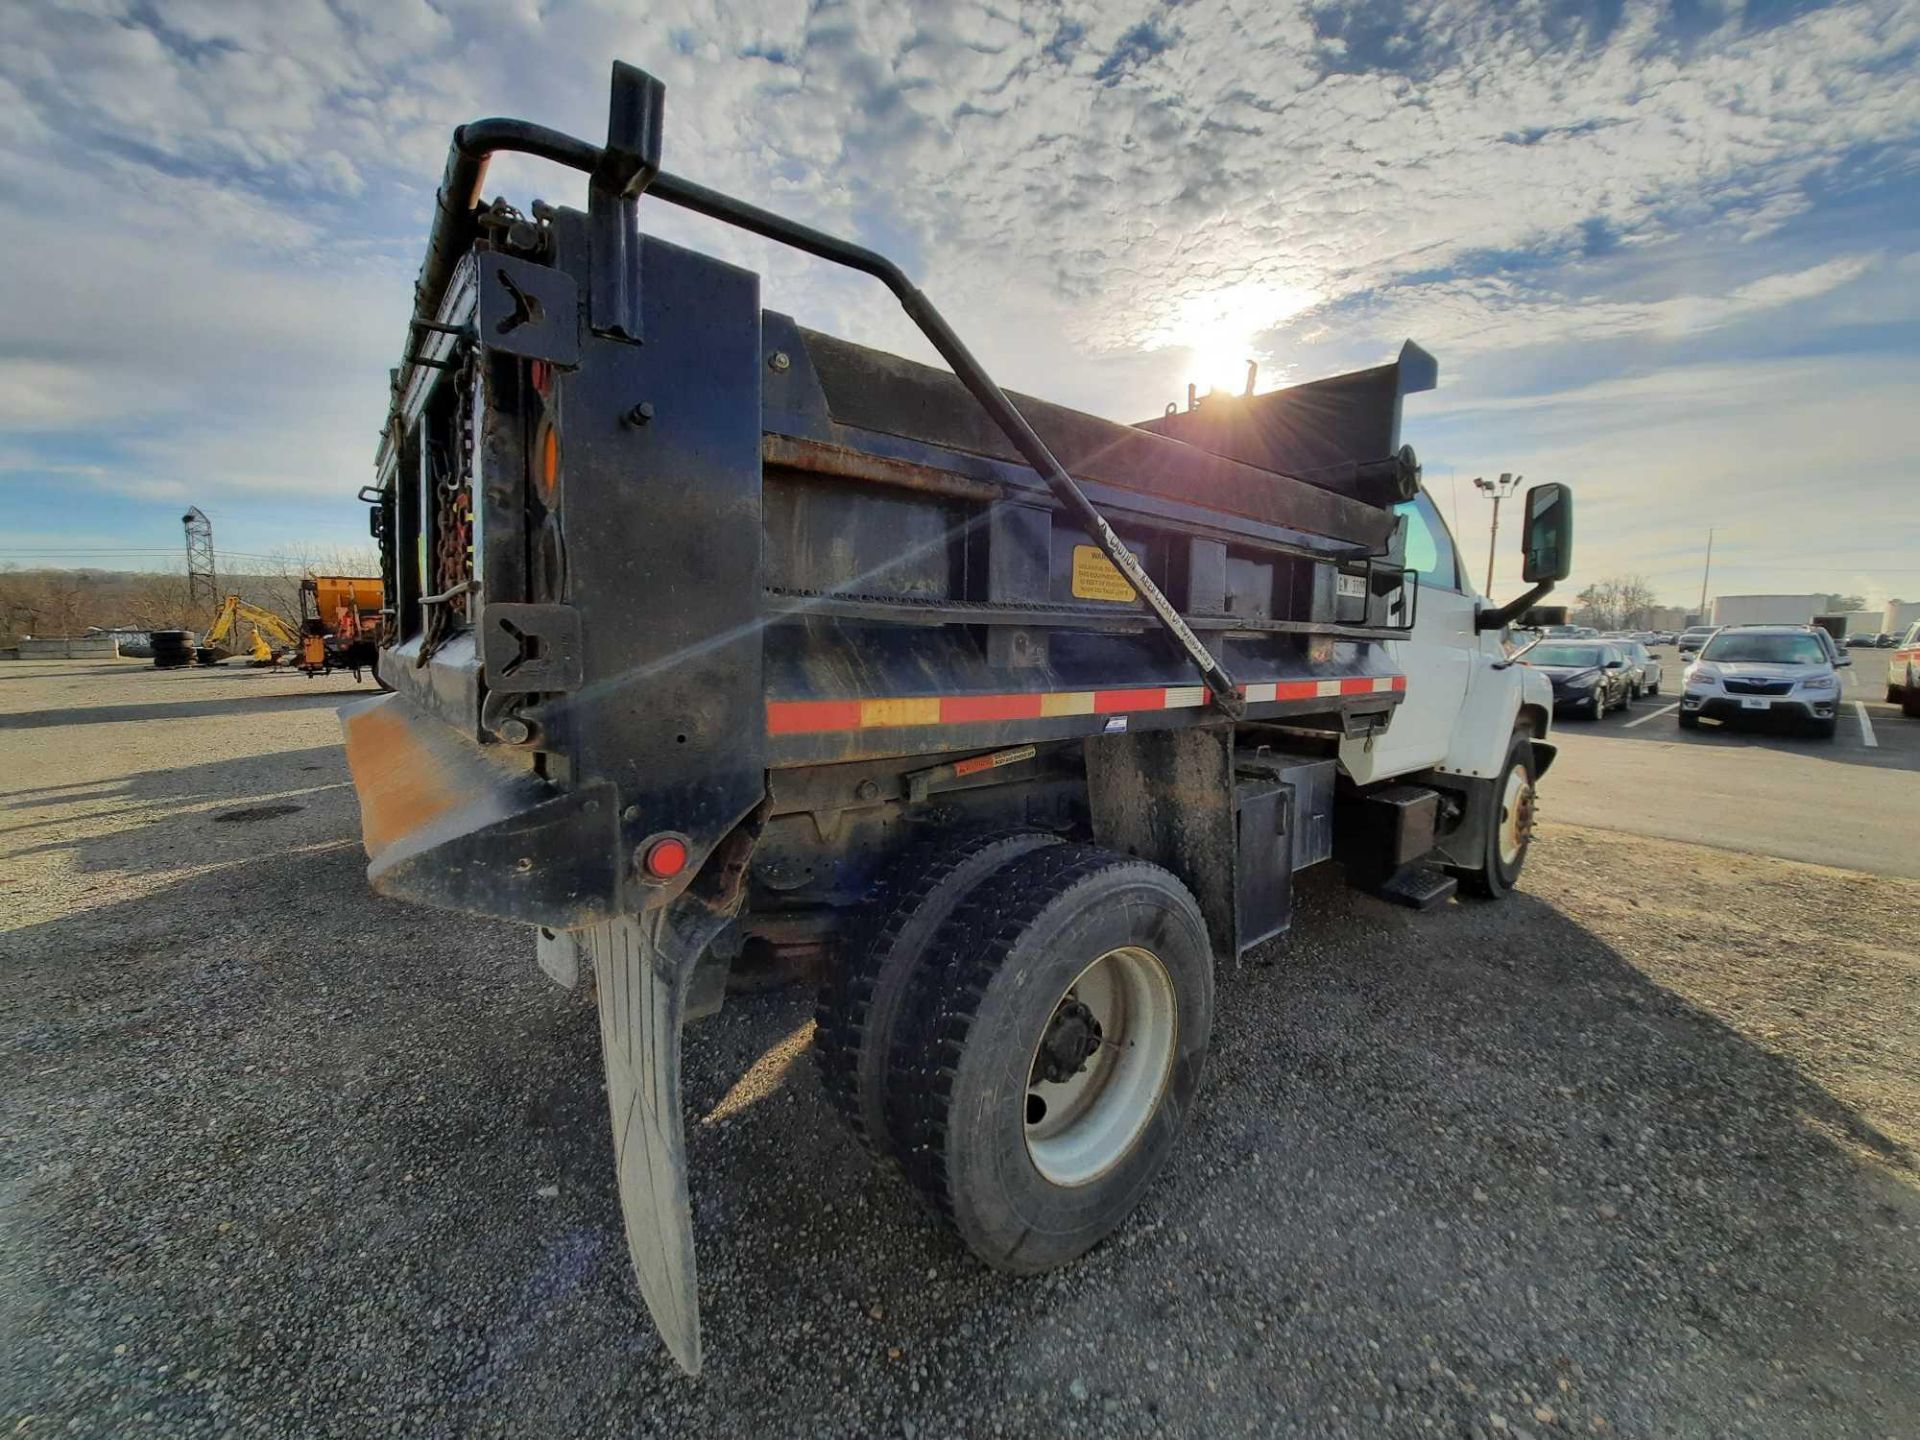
779, 363
640, 414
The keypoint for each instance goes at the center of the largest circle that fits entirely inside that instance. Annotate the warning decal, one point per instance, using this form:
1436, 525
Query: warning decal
1095, 577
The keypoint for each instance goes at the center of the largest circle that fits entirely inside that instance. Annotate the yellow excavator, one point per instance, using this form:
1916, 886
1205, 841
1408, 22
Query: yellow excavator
266, 625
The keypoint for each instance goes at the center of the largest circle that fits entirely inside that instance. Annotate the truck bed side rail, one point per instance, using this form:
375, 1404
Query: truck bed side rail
629, 166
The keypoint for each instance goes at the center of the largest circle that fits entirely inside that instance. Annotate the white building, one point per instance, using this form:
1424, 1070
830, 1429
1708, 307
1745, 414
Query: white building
1900, 614
1767, 609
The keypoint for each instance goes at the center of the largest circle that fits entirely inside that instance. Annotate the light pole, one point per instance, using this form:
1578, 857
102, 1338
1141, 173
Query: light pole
1496, 491
1705, 571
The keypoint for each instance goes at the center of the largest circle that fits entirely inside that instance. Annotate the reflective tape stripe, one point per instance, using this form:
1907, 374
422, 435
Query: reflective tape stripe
1070, 702
808, 717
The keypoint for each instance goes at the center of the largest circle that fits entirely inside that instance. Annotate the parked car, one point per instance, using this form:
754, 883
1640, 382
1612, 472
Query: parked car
1819, 632
1693, 637
1885, 640
1860, 640
1589, 677
1642, 667
1903, 673
1764, 672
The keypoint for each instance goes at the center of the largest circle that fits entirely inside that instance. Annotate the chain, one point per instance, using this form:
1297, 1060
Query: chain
451, 562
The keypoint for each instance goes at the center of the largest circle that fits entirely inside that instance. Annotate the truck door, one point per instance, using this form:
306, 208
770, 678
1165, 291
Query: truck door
1437, 658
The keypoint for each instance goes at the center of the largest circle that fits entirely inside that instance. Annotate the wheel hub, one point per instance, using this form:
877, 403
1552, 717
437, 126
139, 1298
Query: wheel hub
1517, 807
1073, 1037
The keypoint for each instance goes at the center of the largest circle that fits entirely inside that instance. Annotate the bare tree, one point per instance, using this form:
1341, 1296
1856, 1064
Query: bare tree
278, 588
1621, 602
154, 602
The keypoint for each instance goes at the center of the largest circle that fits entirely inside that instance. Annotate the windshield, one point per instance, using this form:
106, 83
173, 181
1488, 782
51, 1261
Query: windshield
1584, 655
1734, 648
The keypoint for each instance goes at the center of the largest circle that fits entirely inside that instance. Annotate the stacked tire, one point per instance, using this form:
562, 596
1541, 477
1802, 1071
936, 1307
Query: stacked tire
1021, 1031
172, 648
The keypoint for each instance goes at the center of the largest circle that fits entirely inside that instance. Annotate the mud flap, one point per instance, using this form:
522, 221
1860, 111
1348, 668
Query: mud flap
642, 965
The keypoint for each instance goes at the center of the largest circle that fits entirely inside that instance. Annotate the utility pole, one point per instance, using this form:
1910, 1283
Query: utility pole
1496, 491
1704, 573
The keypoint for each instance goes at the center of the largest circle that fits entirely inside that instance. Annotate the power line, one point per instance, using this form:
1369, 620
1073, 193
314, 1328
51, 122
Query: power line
127, 550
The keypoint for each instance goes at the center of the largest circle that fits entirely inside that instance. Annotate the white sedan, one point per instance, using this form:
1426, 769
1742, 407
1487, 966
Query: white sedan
1644, 665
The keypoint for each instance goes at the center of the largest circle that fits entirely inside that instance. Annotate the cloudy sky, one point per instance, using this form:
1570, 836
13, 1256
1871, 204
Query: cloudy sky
1665, 253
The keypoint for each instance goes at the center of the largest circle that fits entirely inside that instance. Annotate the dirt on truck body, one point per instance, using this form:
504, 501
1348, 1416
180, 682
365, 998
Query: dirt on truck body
714, 637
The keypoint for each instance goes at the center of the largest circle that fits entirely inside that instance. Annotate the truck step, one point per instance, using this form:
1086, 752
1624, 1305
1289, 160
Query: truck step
1418, 887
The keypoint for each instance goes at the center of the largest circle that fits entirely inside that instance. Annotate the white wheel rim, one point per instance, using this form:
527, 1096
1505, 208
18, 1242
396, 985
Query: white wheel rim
1516, 815
1079, 1128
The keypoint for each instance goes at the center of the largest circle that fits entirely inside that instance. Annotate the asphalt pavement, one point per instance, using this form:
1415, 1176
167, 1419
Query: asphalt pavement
1852, 801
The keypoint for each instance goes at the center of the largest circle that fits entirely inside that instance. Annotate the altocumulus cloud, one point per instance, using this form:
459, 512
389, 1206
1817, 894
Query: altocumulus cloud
215, 208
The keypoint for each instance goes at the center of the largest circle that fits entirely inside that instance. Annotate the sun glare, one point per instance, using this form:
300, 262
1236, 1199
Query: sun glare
1218, 329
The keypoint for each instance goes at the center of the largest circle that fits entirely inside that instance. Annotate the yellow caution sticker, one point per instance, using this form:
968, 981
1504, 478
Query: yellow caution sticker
1095, 577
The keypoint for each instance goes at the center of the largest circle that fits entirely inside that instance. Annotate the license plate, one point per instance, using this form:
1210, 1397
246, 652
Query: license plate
1751, 704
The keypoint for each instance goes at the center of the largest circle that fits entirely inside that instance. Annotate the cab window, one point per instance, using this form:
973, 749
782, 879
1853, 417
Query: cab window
1429, 547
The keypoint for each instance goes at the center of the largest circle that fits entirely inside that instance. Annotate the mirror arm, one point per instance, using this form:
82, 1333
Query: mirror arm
1503, 617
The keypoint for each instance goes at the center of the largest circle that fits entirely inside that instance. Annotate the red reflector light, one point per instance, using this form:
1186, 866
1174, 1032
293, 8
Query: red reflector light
666, 858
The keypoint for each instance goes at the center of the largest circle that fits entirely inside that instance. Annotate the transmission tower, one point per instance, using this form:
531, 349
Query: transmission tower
203, 593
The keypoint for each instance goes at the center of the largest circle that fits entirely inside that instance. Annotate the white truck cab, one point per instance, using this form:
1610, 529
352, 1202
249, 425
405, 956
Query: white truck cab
1464, 700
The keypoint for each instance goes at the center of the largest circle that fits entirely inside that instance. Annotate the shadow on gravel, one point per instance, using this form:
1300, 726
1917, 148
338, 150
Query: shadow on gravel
293, 1153
174, 818
176, 709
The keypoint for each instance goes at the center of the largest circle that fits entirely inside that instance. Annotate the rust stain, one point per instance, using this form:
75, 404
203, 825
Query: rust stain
403, 786
822, 458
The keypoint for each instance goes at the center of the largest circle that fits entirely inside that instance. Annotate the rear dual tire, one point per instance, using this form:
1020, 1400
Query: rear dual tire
855, 1014
1024, 1033
1029, 1186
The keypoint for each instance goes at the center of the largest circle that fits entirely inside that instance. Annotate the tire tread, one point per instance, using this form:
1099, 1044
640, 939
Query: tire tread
844, 1006
979, 938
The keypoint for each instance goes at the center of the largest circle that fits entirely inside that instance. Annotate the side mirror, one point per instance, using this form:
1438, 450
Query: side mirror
1547, 539
1547, 536
1616, 664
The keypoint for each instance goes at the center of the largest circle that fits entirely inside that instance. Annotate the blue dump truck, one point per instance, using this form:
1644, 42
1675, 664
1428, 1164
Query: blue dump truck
714, 640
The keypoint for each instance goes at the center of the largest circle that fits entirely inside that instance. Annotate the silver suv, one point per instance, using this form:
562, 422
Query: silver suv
1693, 637
1765, 672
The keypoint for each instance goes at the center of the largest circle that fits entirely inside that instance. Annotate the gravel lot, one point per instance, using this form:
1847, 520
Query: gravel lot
1633, 1153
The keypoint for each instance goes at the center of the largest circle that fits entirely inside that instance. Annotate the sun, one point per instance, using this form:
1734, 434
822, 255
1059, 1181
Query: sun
1217, 329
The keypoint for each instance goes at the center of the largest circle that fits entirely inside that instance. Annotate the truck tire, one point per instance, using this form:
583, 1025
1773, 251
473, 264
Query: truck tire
1511, 833
1050, 1049
857, 1005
